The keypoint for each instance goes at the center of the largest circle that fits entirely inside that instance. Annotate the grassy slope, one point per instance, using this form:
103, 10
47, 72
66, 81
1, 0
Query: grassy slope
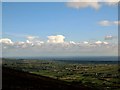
19, 80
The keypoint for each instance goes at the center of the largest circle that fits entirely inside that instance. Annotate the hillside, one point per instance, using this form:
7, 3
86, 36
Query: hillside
19, 80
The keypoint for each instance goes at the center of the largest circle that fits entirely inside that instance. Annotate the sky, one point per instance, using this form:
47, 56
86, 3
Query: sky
59, 29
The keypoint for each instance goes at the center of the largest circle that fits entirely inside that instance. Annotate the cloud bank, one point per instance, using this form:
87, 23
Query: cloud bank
56, 46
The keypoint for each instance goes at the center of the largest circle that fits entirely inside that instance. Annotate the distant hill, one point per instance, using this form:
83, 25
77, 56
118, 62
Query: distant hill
19, 80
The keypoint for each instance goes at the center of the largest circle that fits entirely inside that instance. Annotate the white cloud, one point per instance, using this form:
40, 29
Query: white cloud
6, 41
105, 23
56, 39
72, 42
96, 4
20, 44
111, 2
110, 37
98, 42
27, 41
56, 46
83, 4
32, 37
109, 23
105, 43
116, 22
101, 43
34, 40
85, 42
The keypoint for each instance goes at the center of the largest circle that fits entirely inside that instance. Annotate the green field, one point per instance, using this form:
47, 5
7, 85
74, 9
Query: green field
105, 76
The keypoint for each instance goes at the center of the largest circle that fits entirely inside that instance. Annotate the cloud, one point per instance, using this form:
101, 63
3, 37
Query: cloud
6, 41
105, 23
101, 43
111, 2
110, 37
56, 45
109, 23
116, 22
72, 42
32, 37
105, 43
34, 40
56, 39
85, 42
95, 4
83, 4
98, 42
